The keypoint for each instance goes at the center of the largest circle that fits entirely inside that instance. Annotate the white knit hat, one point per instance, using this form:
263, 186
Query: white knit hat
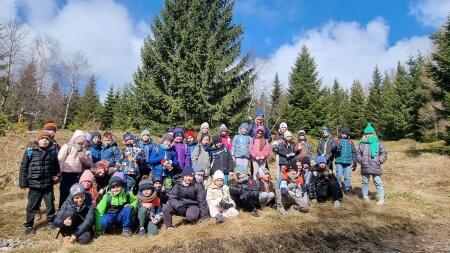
218, 175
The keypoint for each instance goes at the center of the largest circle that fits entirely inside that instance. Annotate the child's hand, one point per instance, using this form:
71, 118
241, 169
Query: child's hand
73, 239
68, 222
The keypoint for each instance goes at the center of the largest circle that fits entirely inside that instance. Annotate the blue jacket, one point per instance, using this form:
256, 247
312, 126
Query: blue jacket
241, 146
346, 152
96, 152
191, 147
111, 154
147, 148
160, 153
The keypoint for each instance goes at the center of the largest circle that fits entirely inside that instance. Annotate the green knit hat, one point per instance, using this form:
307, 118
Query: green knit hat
369, 129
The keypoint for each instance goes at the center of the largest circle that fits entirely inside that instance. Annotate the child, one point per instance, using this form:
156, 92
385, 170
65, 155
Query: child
186, 199
327, 147
259, 152
87, 180
164, 161
110, 150
131, 157
183, 156
163, 198
219, 200
200, 155
220, 158
116, 208
345, 158
305, 165
52, 128
191, 142
225, 134
39, 171
280, 134
147, 145
324, 184
96, 147
204, 129
267, 194
305, 147
245, 192
148, 204
76, 216
371, 154
241, 146
287, 151
102, 174
293, 191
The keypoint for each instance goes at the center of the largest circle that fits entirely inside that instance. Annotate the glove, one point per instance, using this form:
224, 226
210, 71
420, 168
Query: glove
284, 192
225, 205
181, 210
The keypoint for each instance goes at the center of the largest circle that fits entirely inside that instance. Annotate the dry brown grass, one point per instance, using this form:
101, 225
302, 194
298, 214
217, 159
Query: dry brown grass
415, 216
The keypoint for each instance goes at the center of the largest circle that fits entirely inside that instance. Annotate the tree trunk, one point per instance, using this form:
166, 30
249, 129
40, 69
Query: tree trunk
67, 107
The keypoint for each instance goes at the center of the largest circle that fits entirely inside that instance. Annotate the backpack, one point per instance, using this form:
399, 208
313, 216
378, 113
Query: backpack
29, 152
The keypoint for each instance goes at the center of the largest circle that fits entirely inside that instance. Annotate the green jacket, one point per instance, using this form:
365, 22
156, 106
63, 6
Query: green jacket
116, 201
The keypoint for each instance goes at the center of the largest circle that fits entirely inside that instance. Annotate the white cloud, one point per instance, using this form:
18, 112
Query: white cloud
342, 50
431, 12
7, 9
102, 29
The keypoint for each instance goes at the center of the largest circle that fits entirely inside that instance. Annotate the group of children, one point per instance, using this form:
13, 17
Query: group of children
137, 188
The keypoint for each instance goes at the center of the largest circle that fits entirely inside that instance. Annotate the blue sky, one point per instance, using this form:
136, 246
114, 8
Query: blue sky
347, 38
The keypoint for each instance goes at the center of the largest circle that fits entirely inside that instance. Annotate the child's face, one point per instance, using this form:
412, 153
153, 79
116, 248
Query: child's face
244, 131
299, 164
145, 138
107, 141
289, 138
179, 139
116, 189
129, 142
190, 139
44, 142
305, 166
157, 185
219, 145
283, 129
322, 165
344, 136
205, 140
219, 182
78, 199
259, 134
223, 133
96, 140
147, 192
167, 143
205, 130
86, 184
188, 179
301, 137
325, 134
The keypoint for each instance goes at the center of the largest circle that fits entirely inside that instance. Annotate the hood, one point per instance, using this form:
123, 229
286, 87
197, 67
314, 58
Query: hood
87, 176
78, 135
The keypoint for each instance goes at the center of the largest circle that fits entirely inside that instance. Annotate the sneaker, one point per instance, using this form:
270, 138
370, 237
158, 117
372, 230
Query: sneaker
283, 211
170, 228
336, 204
366, 200
126, 232
30, 231
219, 218
255, 213
380, 202
142, 231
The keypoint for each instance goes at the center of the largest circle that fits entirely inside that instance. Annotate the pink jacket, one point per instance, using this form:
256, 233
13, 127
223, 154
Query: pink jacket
254, 149
227, 142
71, 160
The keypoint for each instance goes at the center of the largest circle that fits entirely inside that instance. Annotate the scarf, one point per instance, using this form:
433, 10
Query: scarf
148, 199
373, 144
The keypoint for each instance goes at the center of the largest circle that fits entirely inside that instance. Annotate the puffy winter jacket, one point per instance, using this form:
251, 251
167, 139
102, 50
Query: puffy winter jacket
162, 153
200, 157
116, 204
192, 195
96, 152
215, 194
318, 183
241, 145
147, 148
255, 148
346, 152
183, 156
371, 165
221, 159
191, 146
38, 166
111, 154
83, 218
250, 188
287, 151
327, 147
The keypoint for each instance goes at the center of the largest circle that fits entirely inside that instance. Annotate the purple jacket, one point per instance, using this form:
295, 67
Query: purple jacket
184, 158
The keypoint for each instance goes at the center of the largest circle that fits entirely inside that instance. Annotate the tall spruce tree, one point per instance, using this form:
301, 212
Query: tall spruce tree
303, 104
192, 68
107, 114
357, 115
54, 105
90, 106
124, 110
338, 107
374, 104
416, 72
275, 101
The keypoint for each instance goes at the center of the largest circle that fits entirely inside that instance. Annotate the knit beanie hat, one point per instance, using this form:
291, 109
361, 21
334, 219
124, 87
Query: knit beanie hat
287, 133
306, 160
190, 133
216, 139
128, 136
178, 132
197, 168
50, 126
145, 184
88, 136
369, 129
188, 171
145, 132
167, 137
43, 133
204, 125
344, 130
157, 179
87, 176
223, 128
325, 129
115, 181
301, 133
321, 159
96, 134
283, 124
244, 125
218, 175
76, 189
260, 112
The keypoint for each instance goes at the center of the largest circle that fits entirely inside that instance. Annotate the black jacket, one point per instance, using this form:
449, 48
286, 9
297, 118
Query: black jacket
327, 147
221, 159
192, 195
248, 189
318, 182
82, 219
38, 167
284, 149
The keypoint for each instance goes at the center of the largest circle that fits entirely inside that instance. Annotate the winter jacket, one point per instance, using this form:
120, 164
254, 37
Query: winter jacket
307, 149
83, 218
295, 185
38, 166
215, 195
96, 152
227, 142
286, 151
87, 176
254, 127
255, 150
191, 146
111, 154
115, 206
72, 160
327, 147
200, 157
147, 148
371, 165
241, 145
346, 152
221, 159
250, 188
159, 154
192, 195
260, 185
131, 158
318, 182
183, 156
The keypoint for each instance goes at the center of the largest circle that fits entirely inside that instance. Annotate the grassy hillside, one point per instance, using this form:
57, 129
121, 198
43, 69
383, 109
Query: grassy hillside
415, 216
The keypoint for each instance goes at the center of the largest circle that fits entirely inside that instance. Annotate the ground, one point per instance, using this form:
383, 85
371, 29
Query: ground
415, 217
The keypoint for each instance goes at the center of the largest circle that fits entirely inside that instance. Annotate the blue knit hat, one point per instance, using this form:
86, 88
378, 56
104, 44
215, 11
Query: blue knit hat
325, 129
321, 159
127, 136
188, 171
260, 112
244, 125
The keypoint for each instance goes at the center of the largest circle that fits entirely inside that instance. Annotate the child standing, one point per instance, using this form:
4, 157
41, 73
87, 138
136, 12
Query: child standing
259, 152
191, 142
371, 154
225, 134
220, 158
39, 170
147, 145
200, 156
164, 161
204, 129
241, 146
148, 204
219, 200
110, 150
96, 147
181, 148
345, 158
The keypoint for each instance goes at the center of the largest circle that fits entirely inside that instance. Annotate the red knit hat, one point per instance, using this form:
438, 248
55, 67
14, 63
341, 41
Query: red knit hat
50, 126
43, 133
190, 133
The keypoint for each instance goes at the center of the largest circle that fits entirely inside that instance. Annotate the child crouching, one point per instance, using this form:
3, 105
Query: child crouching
219, 200
148, 204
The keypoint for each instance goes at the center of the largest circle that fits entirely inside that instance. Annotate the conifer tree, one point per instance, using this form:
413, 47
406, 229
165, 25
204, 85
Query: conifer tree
357, 116
374, 104
90, 106
107, 115
275, 101
338, 107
